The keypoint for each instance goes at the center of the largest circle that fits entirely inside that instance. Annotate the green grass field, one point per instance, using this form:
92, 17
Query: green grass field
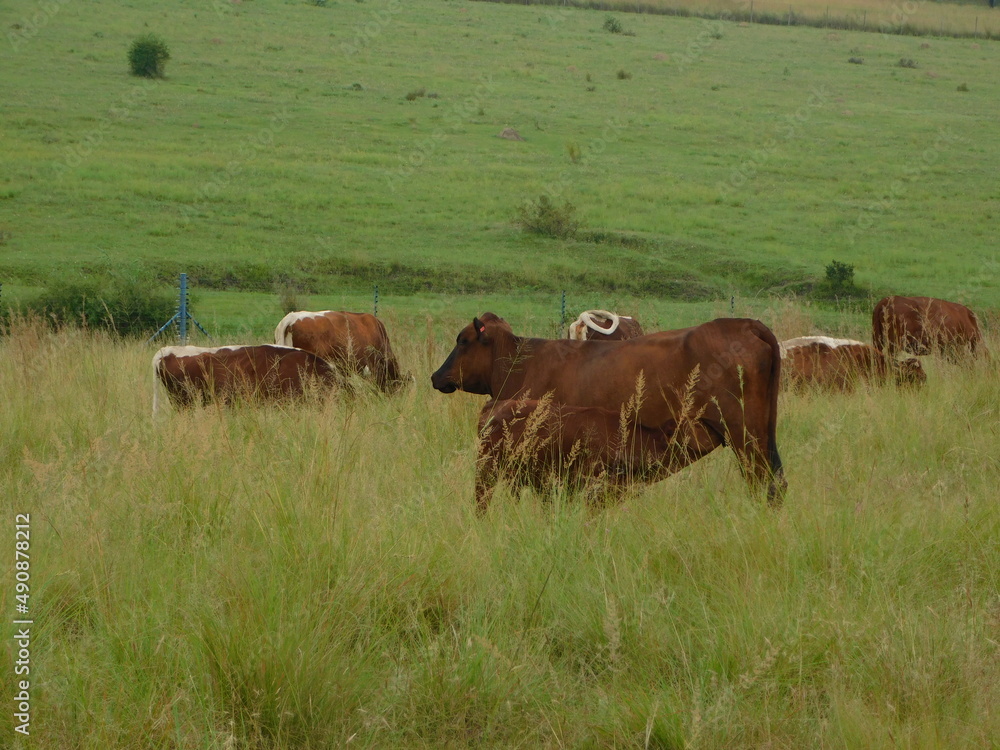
314, 576
282, 147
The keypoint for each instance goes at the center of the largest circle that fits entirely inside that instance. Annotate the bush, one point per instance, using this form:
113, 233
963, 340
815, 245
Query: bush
623, 75
416, 94
147, 56
840, 275
856, 60
127, 306
906, 62
613, 25
546, 218
573, 149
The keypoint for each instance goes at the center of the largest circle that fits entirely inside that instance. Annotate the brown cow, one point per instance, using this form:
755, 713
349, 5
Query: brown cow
356, 343
840, 364
603, 326
725, 373
922, 325
228, 373
533, 443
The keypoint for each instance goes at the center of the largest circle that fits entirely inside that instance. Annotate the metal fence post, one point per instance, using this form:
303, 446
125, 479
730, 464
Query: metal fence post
562, 313
376, 300
182, 311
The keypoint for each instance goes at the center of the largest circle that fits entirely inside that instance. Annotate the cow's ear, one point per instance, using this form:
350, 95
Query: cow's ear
480, 327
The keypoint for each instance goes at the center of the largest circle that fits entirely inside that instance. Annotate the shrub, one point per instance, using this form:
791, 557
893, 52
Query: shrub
613, 25
906, 62
856, 60
840, 275
962, 87
147, 56
623, 75
573, 149
546, 218
125, 305
416, 94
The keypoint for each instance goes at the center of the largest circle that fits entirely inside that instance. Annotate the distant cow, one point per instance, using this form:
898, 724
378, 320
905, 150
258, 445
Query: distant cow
922, 325
356, 343
841, 363
530, 443
228, 373
603, 326
723, 374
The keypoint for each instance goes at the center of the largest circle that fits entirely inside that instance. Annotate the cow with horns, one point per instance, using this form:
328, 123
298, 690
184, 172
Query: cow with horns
604, 326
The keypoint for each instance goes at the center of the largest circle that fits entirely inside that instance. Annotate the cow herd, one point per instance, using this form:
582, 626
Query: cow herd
607, 407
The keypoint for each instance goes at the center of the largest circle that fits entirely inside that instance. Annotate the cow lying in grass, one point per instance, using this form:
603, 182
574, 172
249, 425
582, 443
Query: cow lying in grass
840, 364
539, 444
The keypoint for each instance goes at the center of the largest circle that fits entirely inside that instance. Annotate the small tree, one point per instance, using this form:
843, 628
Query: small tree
840, 275
546, 218
147, 56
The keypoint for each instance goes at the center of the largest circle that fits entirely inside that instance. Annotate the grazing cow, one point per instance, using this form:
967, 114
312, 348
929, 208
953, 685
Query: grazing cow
532, 443
840, 363
228, 373
922, 325
604, 326
356, 343
722, 376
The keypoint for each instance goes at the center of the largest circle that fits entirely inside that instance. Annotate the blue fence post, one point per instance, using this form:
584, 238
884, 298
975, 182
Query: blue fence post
182, 311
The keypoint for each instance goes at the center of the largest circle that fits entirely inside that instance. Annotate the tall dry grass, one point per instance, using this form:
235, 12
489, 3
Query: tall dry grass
914, 17
314, 575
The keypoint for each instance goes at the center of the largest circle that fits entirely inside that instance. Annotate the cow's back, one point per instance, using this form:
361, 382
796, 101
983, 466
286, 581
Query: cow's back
922, 325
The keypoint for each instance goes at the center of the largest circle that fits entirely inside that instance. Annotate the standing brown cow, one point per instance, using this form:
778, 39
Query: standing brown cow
723, 375
922, 325
603, 326
356, 343
841, 363
227, 373
531, 443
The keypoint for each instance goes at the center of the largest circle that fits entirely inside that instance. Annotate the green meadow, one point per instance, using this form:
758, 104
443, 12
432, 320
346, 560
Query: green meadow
313, 575
334, 148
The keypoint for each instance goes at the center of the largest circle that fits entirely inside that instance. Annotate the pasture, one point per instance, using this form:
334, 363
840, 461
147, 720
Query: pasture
282, 147
314, 575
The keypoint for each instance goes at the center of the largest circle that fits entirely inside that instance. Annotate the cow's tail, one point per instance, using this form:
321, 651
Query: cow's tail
283, 334
773, 457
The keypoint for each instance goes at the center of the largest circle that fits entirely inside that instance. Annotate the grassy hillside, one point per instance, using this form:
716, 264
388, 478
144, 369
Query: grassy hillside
314, 576
283, 146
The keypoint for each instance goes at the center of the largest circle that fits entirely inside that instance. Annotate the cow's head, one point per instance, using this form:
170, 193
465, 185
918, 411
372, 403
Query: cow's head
910, 372
469, 367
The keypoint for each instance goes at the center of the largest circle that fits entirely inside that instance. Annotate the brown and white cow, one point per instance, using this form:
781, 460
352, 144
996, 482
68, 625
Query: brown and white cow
531, 443
922, 325
356, 343
228, 373
603, 325
723, 375
839, 364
